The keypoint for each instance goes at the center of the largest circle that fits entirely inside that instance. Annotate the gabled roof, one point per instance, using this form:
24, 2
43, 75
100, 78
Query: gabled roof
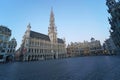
60, 40
39, 36
5, 30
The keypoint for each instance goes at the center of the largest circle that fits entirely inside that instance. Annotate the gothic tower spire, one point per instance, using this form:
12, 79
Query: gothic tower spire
52, 31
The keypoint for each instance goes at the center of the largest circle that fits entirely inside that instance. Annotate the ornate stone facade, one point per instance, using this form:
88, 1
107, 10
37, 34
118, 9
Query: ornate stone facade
84, 48
7, 46
114, 21
109, 47
38, 46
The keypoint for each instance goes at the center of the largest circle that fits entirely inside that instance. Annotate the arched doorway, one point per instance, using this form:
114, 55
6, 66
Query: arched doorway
54, 56
32, 57
29, 58
9, 58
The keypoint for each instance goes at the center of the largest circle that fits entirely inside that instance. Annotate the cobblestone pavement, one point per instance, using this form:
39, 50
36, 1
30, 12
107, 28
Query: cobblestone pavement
82, 68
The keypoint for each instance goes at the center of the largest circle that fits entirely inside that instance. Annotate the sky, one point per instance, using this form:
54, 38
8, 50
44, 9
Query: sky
76, 20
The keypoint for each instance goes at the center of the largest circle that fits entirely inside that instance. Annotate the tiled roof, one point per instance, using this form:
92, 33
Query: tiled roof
39, 36
60, 41
5, 30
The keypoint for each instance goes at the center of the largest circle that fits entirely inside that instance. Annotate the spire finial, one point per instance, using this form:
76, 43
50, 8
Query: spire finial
52, 24
29, 23
51, 8
29, 26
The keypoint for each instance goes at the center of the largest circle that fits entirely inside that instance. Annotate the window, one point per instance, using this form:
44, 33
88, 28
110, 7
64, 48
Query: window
1, 56
1, 37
